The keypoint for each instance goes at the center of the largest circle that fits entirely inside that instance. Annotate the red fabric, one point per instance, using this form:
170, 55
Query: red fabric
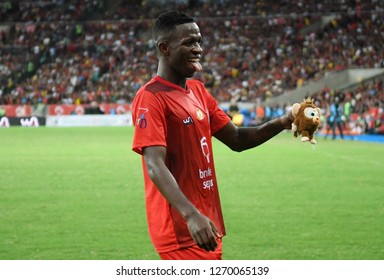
183, 121
194, 253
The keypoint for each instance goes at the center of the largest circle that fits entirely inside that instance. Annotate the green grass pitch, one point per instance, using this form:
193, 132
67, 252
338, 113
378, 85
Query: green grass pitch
77, 193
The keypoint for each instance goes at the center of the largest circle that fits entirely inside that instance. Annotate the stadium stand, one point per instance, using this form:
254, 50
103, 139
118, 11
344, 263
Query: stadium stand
83, 51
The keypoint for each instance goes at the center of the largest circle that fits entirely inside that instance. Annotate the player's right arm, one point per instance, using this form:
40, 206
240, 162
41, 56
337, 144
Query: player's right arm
201, 228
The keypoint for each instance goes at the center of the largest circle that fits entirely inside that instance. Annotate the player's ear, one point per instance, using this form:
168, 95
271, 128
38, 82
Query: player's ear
163, 48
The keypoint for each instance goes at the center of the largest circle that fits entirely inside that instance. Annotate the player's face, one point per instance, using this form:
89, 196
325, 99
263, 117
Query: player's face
185, 50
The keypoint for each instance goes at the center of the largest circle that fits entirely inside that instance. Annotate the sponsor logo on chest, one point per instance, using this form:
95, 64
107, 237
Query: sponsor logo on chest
199, 115
188, 121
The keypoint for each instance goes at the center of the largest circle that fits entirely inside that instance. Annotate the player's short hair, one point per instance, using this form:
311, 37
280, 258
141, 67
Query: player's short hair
167, 22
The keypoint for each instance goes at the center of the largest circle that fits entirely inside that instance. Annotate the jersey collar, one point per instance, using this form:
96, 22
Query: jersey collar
170, 84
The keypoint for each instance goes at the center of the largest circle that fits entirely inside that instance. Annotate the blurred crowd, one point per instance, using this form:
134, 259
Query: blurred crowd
84, 51
344, 113
353, 112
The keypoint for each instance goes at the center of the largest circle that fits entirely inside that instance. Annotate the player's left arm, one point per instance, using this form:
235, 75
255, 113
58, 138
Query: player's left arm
243, 138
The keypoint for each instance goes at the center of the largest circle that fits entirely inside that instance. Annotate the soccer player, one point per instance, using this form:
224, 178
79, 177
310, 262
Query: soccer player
175, 118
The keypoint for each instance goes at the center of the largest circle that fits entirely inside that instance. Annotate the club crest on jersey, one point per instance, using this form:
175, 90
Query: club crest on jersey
199, 114
141, 121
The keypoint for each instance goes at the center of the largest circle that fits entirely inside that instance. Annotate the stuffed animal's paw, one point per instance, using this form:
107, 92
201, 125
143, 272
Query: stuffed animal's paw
313, 141
304, 139
294, 127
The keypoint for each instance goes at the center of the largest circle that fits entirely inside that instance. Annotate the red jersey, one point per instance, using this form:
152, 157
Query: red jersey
182, 120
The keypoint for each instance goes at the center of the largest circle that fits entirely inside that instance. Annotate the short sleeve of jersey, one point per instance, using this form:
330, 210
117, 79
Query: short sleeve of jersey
149, 121
218, 117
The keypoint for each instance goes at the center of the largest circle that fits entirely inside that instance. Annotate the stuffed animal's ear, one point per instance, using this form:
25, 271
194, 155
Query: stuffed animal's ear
295, 109
318, 110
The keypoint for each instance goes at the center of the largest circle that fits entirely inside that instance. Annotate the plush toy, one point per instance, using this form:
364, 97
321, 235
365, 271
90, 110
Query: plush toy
307, 120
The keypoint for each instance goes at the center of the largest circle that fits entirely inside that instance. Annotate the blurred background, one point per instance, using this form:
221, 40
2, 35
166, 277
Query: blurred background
89, 57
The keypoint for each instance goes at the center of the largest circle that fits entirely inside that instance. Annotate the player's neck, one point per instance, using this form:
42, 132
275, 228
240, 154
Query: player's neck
181, 82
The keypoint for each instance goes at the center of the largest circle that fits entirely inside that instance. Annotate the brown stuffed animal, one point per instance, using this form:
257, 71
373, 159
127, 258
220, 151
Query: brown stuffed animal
307, 120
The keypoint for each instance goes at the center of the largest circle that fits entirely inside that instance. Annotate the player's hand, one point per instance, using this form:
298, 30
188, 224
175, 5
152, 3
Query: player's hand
287, 120
203, 231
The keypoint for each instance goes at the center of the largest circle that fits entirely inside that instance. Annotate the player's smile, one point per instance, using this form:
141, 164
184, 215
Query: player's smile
194, 63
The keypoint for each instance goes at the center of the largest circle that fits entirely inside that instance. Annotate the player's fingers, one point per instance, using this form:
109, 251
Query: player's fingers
198, 240
210, 238
206, 241
202, 240
216, 232
213, 244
